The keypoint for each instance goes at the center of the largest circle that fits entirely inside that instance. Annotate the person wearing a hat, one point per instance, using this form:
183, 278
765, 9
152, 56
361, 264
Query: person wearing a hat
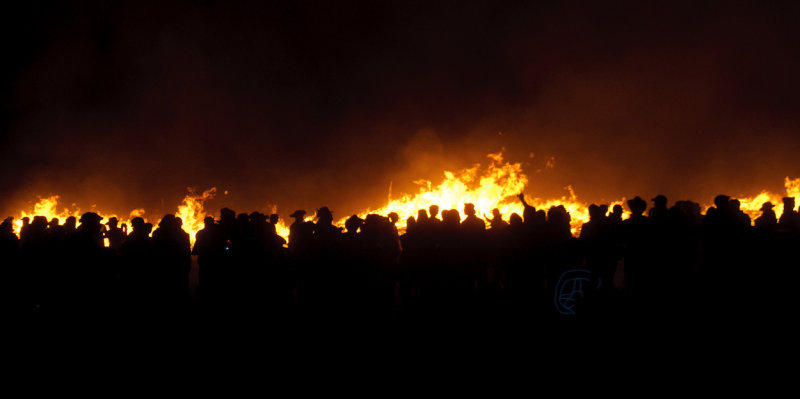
637, 207
300, 232
324, 228
352, 224
659, 210
768, 221
91, 228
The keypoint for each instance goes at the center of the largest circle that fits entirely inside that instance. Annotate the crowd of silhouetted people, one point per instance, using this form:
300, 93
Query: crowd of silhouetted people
673, 263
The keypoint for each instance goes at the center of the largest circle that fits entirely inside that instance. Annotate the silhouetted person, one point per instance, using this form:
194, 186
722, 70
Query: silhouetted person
13, 281
422, 216
615, 218
70, 226
741, 218
558, 223
528, 212
138, 271
472, 224
326, 235
300, 233
173, 260
789, 221
114, 234
433, 212
637, 244
24, 231
496, 222
277, 242
768, 221
210, 247
92, 275
186, 240
659, 211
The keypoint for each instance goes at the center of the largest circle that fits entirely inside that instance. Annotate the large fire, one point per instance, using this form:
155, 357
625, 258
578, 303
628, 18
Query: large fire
495, 186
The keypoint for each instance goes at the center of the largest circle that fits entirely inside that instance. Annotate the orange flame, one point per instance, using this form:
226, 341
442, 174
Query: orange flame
495, 186
191, 211
752, 205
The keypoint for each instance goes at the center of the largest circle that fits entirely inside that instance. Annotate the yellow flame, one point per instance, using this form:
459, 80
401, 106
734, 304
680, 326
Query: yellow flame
47, 207
191, 211
752, 205
495, 186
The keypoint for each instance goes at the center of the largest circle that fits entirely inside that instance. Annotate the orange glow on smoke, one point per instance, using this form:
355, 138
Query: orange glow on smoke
494, 186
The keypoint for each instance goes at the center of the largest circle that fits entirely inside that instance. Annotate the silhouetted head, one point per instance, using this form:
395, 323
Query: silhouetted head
90, 217
422, 215
138, 224
515, 219
433, 210
227, 216
603, 209
735, 205
90, 222
558, 214
258, 217
722, 202
660, 201
469, 209
529, 214
637, 205
148, 228
373, 224
558, 218
7, 227
453, 216
594, 212
767, 206
353, 223
788, 204
208, 221
274, 218
411, 224
393, 217
167, 222
298, 215
496, 214
539, 216
617, 209
40, 221
53, 223
26, 221
112, 222
71, 222
324, 215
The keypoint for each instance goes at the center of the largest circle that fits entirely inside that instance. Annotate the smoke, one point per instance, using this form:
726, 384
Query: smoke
301, 105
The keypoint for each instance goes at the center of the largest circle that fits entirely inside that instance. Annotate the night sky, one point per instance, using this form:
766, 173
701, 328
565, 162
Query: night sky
304, 104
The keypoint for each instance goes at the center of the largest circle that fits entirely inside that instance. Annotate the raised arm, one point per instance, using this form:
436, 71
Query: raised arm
521, 197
